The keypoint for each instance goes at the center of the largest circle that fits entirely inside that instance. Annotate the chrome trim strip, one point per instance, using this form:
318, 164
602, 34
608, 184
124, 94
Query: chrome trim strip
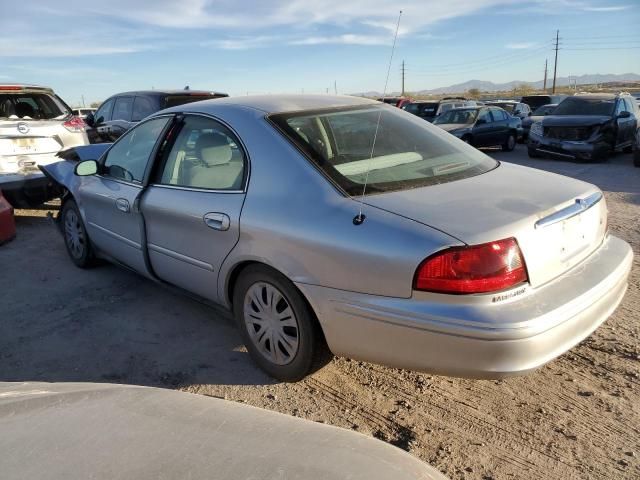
193, 189
580, 205
551, 152
182, 258
131, 243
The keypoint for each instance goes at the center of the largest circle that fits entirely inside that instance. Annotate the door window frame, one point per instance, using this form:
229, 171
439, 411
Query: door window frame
152, 156
159, 163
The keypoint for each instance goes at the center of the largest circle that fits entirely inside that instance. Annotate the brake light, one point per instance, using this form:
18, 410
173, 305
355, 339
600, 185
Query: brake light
75, 124
473, 269
10, 87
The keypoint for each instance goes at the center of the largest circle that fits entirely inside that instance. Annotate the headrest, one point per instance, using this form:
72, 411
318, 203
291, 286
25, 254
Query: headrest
23, 110
213, 149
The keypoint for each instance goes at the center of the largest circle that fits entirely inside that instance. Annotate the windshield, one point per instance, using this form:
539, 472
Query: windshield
31, 106
466, 116
585, 106
509, 107
535, 101
408, 152
544, 110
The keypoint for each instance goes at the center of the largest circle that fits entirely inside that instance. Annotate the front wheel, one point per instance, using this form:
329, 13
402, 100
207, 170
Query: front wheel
533, 153
75, 235
509, 144
278, 327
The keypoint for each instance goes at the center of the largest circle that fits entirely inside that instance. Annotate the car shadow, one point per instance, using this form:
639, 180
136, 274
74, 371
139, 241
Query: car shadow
59, 323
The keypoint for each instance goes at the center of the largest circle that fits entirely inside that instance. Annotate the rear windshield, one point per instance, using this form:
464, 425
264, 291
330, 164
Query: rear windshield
585, 106
408, 152
465, 116
427, 109
174, 100
31, 106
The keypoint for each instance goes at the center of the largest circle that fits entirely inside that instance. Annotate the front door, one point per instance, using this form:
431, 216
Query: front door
192, 207
109, 200
483, 129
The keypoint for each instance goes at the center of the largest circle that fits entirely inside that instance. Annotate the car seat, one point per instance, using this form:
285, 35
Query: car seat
217, 168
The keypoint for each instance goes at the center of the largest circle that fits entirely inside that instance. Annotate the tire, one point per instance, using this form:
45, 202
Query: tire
510, 143
467, 139
533, 153
75, 236
287, 322
628, 149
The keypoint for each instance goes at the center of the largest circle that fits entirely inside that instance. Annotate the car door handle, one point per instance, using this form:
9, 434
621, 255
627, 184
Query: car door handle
217, 221
122, 204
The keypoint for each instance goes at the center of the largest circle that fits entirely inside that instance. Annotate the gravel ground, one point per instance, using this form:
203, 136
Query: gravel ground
578, 417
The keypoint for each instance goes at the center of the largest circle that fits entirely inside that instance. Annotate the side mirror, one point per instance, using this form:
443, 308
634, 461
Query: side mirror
89, 119
624, 114
86, 168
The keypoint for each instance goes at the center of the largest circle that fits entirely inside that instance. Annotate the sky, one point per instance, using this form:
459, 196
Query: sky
91, 49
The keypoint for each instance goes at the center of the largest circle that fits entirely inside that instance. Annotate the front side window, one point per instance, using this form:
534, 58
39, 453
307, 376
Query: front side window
122, 109
206, 155
485, 116
408, 152
499, 115
128, 158
104, 112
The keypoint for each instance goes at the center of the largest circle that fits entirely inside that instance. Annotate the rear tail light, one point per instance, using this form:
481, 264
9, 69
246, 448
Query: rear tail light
489, 267
75, 124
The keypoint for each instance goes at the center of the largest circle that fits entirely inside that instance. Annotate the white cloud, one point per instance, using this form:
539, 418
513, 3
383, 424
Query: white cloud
346, 39
521, 45
613, 8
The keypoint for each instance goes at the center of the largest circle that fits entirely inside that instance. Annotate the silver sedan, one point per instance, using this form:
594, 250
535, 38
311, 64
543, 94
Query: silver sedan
340, 222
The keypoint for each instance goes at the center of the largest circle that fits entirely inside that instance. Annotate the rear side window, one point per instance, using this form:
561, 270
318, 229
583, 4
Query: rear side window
205, 155
31, 106
142, 108
498, 115
407, 153
123, 109
175, 100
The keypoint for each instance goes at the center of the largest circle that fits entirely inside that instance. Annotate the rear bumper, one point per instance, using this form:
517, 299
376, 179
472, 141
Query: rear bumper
568, 149
28, 189
477, 336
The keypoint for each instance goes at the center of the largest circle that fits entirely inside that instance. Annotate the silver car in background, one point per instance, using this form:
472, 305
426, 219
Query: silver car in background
35, 124
340, 221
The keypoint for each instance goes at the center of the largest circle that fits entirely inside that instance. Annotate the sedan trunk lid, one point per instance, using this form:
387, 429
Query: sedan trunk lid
540, 209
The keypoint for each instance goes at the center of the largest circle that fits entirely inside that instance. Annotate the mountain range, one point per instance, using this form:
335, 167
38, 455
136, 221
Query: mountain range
487, 86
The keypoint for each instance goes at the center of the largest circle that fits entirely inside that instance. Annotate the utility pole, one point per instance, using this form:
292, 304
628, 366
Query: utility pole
555, 65
83, 101
544, 87
403, 70
335, 87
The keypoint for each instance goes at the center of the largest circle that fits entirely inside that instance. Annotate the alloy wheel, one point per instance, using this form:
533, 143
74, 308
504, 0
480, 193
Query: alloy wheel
74, 234
271, 323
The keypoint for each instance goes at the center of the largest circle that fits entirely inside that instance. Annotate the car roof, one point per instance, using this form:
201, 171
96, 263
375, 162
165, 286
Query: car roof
596, 96
169, 92
282, 103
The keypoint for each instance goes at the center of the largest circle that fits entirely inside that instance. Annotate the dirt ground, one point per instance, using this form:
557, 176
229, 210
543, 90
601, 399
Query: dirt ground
578, 417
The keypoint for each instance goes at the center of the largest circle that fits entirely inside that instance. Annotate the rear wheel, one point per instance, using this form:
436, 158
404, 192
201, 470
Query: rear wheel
628, 149
278, 327
510, 143
75, 235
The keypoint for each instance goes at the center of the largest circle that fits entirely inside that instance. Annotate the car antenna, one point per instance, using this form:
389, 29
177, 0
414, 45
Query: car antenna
358, 219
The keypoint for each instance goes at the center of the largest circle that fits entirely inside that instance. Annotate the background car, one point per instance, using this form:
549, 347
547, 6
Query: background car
120, 112
536, 116
61, 431
35, 124
395, 101
481, 126
82, 112
430, 109
516, 109
274, 208
536, 101
586, 127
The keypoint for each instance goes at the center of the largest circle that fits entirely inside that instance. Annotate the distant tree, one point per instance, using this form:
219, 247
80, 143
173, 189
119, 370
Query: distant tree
523, 89
474, 93
95, 104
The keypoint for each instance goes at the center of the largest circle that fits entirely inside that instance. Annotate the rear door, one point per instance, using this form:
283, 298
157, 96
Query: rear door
109, 200
192, 207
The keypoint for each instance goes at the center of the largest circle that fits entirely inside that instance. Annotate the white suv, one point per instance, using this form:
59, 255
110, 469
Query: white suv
35, 124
